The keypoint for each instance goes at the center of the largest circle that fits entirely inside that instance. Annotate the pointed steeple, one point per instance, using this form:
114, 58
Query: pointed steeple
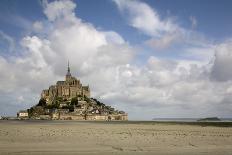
68, 67
68, 71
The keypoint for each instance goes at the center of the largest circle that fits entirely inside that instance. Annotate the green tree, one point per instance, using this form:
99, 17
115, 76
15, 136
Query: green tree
60, 99
74, 101
42, 102
52, 106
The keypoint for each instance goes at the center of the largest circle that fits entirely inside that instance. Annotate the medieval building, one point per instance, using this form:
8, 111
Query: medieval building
67, 89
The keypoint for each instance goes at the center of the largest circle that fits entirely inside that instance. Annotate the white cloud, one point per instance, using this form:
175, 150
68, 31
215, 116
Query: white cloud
37, 26
60, 9
222, 65
141, 16
113, 37
202, 54
163, 32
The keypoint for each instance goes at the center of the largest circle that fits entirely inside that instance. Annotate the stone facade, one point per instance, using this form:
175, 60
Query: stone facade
67, 89
58, 116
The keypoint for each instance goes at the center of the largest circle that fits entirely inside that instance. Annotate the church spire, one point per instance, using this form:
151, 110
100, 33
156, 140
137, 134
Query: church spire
68, 67
68, 71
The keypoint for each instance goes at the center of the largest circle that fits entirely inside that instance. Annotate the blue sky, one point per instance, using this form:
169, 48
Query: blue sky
213, 17
168, 57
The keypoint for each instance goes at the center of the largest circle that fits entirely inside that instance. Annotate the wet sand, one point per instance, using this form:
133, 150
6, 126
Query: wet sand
126, 138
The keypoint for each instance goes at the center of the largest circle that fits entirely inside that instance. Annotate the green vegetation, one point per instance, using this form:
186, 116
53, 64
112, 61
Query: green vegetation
98, 102
30, 111
59, 99
74, 101
42, 102
52, 106
61, 103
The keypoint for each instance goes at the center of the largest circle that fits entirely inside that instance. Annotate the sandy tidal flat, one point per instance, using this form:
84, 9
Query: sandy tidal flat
60, 137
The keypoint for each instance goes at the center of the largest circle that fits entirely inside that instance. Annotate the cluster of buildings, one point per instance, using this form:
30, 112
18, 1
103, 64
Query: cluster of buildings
70, 100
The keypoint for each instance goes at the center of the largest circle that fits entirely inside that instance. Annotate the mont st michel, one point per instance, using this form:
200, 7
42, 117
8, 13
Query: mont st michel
70, 100
115, 77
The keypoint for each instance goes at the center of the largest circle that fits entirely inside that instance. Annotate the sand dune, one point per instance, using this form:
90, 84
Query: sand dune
18, 137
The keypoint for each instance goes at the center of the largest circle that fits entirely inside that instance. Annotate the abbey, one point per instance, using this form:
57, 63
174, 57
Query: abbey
67, 89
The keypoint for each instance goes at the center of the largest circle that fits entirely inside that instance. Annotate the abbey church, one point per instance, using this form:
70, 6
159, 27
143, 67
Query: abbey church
67, 89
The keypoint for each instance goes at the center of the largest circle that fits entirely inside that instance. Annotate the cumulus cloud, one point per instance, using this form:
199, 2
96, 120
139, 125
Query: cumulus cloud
59, 9
221, 70
105, 61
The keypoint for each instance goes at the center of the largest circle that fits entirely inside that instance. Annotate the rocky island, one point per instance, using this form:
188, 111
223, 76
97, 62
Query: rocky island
209, 119
70, 100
